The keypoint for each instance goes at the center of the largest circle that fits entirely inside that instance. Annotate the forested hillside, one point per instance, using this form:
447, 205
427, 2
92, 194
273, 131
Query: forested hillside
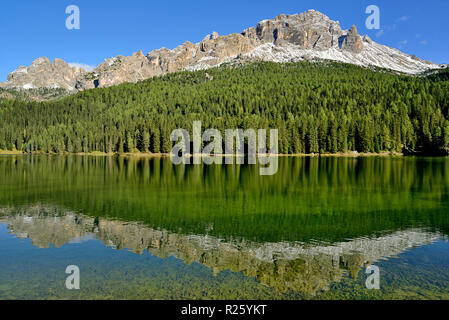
39, 94
317, 107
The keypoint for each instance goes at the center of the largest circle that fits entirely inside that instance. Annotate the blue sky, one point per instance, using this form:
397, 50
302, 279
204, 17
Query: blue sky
30, 29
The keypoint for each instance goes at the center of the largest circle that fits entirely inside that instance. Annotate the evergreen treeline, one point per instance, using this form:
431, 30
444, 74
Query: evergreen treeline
40, 94
317, 107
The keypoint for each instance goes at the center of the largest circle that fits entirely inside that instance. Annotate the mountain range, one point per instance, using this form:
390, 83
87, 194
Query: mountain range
287, 38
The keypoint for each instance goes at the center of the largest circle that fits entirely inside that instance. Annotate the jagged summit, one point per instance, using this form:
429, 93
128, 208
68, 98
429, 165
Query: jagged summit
286, 38
44, 73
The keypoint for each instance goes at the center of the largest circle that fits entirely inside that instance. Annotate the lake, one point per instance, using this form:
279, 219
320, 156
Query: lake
143, 228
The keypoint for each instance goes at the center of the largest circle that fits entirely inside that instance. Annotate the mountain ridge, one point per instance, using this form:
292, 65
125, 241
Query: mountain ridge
310, 35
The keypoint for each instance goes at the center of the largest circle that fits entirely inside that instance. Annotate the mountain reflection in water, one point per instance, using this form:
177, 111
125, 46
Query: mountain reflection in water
302, 267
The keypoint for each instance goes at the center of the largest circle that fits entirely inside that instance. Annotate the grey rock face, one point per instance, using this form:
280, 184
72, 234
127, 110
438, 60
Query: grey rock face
44, 74
308, 30
352, 41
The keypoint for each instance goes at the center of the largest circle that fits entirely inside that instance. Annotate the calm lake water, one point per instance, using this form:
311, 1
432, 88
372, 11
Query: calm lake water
146, 229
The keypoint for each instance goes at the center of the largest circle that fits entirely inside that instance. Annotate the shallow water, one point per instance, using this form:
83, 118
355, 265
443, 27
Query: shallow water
145, 229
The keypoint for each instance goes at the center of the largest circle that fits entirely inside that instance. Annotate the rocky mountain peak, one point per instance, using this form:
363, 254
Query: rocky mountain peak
352, 41
44, 74
212, 36
138, 54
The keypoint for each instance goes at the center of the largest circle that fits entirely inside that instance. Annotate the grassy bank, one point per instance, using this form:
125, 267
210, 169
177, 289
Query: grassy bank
10, 152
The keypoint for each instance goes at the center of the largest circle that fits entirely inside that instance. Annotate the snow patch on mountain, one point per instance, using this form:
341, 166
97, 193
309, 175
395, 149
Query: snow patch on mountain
28, 86
373, 54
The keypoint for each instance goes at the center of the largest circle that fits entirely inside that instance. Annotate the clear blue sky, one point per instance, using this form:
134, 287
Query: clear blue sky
30, 29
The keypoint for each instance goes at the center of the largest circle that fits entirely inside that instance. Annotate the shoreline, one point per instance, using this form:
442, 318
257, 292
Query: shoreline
351, 154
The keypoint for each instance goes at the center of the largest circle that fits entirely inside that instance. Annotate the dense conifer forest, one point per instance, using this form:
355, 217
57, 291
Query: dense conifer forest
317, 107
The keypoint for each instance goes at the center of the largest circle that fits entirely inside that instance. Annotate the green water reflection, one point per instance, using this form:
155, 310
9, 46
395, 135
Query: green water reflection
224, 231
